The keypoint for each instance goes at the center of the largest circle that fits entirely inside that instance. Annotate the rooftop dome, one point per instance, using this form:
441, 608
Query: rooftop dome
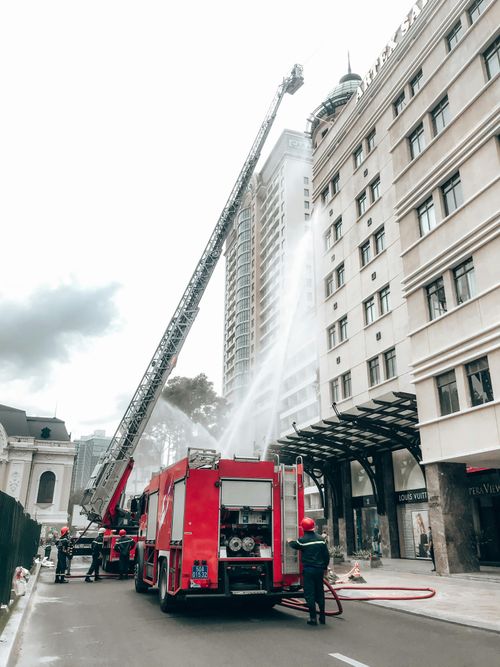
337, 97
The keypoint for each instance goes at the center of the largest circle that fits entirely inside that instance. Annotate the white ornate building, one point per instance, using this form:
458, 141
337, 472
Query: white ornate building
36, 462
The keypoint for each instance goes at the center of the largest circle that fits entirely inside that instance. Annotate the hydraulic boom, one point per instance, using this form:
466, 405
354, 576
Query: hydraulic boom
109, 478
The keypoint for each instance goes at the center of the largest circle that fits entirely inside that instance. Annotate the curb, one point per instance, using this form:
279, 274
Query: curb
12, 632
439, 616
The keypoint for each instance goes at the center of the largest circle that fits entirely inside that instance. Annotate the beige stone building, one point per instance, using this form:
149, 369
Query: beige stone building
36, 463
406, 219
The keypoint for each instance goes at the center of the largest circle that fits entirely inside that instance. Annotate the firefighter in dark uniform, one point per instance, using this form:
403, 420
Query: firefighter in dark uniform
124, 546
315, 560
97, 546
62, 552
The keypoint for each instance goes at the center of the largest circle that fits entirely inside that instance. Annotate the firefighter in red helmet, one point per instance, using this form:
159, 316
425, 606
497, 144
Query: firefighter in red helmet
315, 559
62, 554
124, 546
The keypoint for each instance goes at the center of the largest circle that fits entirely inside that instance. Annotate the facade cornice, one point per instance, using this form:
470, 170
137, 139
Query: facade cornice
485, 232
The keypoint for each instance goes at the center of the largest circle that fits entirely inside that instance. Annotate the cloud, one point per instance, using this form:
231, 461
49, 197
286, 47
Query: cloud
46, 327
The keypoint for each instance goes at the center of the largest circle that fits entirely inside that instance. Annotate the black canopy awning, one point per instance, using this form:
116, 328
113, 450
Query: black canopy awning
386, 423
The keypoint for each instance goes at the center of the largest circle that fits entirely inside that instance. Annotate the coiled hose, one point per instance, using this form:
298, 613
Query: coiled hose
332, 593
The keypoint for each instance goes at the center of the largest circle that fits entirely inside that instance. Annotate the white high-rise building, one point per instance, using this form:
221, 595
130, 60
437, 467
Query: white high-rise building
270, 348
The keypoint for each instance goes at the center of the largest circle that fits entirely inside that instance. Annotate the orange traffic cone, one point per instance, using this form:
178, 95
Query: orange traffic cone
356, 574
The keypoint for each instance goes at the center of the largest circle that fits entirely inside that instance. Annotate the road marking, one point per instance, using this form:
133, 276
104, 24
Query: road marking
350, 661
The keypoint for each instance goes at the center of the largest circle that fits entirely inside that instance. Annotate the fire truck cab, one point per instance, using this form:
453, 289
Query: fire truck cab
217, 528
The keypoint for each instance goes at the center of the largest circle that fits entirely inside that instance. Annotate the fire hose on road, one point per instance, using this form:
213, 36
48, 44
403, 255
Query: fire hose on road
332, 593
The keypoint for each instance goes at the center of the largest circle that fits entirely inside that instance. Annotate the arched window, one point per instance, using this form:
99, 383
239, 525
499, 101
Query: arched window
46, 487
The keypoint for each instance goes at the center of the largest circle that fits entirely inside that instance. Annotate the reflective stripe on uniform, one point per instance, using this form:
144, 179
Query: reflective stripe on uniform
306, 544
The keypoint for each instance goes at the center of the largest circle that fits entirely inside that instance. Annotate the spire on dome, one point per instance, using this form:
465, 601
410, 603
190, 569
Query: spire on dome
348, 63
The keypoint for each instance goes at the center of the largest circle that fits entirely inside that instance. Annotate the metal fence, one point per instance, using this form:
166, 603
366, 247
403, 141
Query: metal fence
19, 539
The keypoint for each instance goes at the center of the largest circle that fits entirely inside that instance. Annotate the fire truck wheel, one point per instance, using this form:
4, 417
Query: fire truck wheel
140, 586
167, 602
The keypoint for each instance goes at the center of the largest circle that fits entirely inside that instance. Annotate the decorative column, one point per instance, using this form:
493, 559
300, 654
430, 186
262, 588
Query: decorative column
450, 516
346, 522
388, 522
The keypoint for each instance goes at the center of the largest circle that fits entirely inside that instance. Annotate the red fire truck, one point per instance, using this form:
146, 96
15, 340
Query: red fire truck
217, 528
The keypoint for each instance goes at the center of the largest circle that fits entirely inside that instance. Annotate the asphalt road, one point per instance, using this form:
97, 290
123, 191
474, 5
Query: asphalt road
108, 623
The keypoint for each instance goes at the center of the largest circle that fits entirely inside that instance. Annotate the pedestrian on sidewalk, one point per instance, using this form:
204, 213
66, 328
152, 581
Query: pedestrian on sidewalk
97, 547
431, 549
124, 546
62, 551
48, 546
315, 560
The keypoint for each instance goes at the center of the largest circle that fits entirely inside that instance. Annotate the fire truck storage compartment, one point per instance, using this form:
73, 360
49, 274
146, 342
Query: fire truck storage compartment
178, 511
152, 517
246, 521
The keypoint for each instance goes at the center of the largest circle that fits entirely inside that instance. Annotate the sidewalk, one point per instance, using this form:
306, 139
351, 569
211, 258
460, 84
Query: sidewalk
467, 599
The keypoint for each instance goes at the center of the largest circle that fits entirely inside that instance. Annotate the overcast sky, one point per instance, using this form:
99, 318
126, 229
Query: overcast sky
123, 126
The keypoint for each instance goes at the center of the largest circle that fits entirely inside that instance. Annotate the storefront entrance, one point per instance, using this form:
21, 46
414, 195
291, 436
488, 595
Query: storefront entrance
484, 489
366, 525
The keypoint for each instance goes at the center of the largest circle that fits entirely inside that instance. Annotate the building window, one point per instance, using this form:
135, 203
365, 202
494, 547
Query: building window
338, 229
369, 307
306, 192
379, 240
452, 194
343, 329
446, 384
416, 141
479, 379
370, 141
399, 104
436, 298
362, 203
306, 180
426, 216
453, 37
492, 58
375, 189
335, 390
390, 363
328, 238
373, 371
336, 184
325, 195
440, 115
358, 156
476, 9
331, 337
346, 385
416, 83
465, 282
340, 275
383, 300
306, 205
365, 252
46, 487
329, 285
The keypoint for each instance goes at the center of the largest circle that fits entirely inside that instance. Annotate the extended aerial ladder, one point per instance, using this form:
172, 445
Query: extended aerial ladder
109, 478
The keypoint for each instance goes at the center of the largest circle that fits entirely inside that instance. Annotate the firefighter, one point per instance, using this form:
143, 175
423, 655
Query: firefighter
315, 560
69, 554
124, 546
62, 551
97, 546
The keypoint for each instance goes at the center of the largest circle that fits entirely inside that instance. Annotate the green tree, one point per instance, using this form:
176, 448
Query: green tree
197, 398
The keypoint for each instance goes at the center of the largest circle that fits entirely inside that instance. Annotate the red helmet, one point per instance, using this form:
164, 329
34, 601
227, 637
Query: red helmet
307, 523
64, 530
122, 532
